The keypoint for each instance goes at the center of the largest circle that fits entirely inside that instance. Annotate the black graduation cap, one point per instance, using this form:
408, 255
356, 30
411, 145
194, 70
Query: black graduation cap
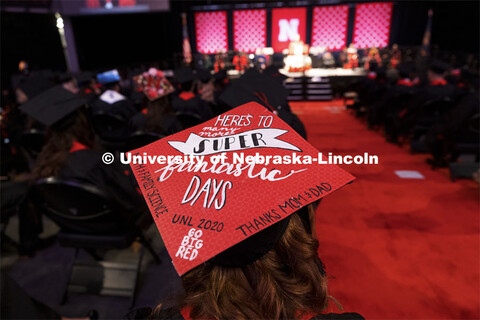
252, 248
251, 72
256, 246
220, 75
274, 73
184, 75
33, 84
256, 87
439, 67
404, 70
63, 77
204, 75
53, 105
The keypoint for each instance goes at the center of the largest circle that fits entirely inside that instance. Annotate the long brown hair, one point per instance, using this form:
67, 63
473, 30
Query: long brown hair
283, 284
59, 142
157, 110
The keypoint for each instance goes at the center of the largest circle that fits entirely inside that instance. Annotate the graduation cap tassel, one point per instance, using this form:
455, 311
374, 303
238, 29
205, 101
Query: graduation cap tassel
264, 100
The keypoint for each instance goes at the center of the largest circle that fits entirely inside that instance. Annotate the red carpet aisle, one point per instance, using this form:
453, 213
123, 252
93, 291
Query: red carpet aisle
394, 248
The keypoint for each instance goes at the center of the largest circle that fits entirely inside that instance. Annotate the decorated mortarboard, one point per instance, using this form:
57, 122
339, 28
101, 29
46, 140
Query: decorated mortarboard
183, 75
153, 84
108, 77
205, 208
53, 105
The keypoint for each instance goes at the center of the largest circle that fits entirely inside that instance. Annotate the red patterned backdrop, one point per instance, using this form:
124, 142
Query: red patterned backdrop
211, 31
372, 24
330, 27
249, 30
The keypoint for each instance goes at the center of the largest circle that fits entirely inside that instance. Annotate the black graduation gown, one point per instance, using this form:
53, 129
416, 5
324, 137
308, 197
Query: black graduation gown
192, 105
17, 304
414, 108
390, 103
460, 117
430, 93
115, 180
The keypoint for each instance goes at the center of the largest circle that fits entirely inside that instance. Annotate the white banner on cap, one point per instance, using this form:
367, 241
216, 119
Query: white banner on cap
258, 138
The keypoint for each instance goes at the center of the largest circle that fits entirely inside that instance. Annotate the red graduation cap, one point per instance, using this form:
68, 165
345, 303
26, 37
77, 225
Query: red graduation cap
203, 207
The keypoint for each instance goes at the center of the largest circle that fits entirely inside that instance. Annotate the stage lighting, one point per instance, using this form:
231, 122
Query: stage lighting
60, 24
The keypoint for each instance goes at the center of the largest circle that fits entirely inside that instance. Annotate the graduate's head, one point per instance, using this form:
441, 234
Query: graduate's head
110, 80
30, 86
405, 70
204, 76
185, 78
287, 279
115, 86
470, 80
234, 231
68, 82
156, 89
64, 115
186, 86
75, 128
437, 70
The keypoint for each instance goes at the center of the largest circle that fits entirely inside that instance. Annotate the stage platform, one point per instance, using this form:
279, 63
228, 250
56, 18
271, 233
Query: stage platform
320, 72
316, 72
317, 84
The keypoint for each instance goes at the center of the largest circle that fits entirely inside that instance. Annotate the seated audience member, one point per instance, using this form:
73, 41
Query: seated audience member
389, 101
220, 84
29, 86
68, 153
186, 101
459, 126
328, 60
87, 85
111, 100
280, 264
268, 268
396, 56
158, 116
68, 82
205, 86
437, 89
